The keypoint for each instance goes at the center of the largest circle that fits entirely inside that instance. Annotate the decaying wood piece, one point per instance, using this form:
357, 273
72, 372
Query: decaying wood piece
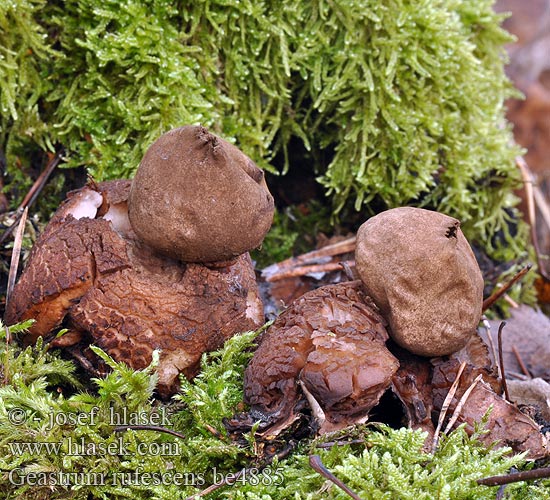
506, 425
311, 262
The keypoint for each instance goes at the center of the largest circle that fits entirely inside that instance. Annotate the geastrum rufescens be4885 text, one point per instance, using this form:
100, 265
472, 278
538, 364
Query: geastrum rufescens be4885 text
158, 263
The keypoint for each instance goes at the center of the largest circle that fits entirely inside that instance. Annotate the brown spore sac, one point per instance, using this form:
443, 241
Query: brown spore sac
421, 272
96, 277
210, 199
327, 348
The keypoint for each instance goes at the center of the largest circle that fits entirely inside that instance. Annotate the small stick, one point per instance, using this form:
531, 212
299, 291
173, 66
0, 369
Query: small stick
487, 326
38, 185
331, 444
517, 376
317, 465
511, 302
227, 480
313, 257
232, 478
520, 362
32, 194
461, 404
16, 254
501, 361
528, 181
215, 432
315, 268
497, 294
514, 477
446, 404
156, 428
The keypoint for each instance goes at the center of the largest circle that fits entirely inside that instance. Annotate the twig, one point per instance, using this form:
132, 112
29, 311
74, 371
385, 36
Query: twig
528, 181
317, 465
497, 294
520, 362
461, 404
156, 428
511, 302
446, 404
487, 326
233, 478
16, 254
517, 376
227, 480
33, 193
501, 361
514, 477
331, 444
215, 432
315, 268
272, 272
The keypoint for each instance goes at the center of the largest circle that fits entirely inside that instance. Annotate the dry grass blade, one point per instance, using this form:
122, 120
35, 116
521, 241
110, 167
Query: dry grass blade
487, 327
33, 193
501, 361
317, 465
521, 364
533, 197
461, 404
498, 293
445, 406
16, 254
542, 205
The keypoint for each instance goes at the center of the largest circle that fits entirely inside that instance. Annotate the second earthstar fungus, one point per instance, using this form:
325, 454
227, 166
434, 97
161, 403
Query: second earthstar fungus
185, 294
407, 328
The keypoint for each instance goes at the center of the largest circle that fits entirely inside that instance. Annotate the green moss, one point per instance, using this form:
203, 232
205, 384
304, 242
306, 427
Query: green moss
398, 102
50, 425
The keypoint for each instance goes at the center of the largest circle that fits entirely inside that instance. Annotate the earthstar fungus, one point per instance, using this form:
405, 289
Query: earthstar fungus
406, 326
91, 272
